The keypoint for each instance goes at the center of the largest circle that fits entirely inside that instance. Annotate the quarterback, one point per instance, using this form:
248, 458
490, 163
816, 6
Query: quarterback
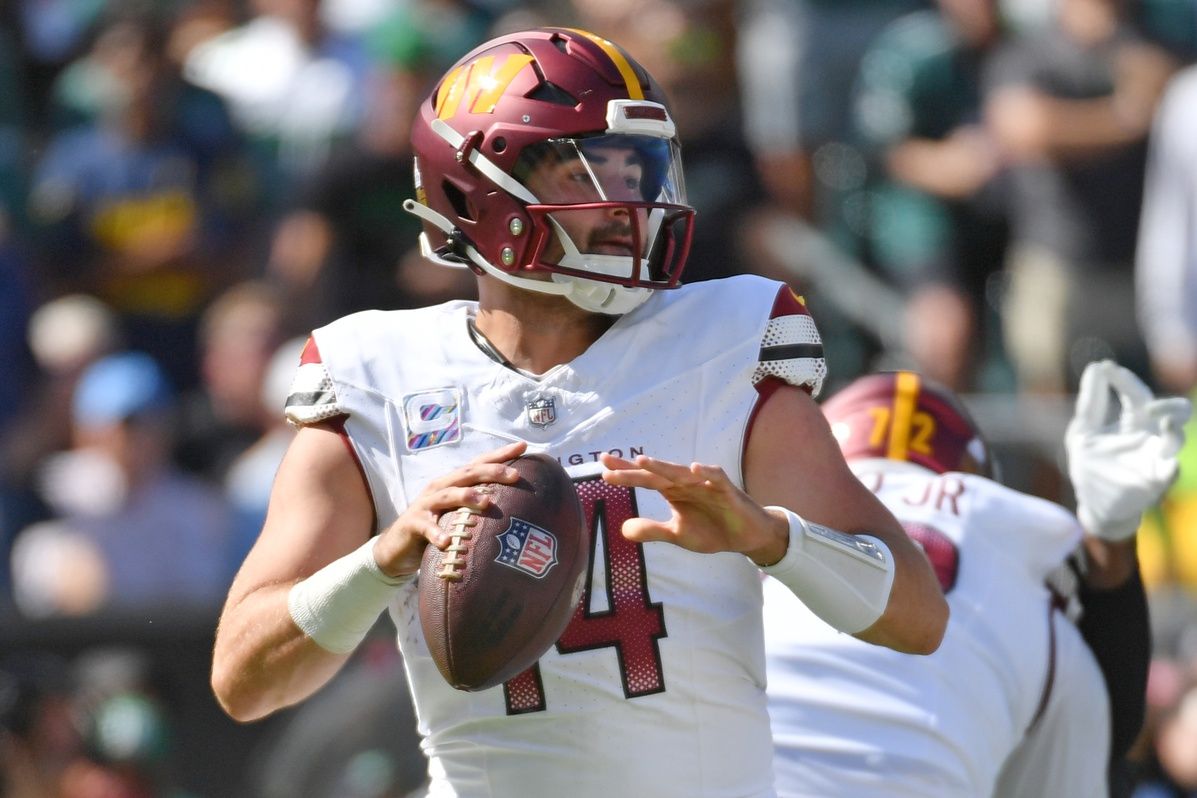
547, 162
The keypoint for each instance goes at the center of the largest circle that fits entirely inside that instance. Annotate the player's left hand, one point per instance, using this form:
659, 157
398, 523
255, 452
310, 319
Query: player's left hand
710, 513
1120, 469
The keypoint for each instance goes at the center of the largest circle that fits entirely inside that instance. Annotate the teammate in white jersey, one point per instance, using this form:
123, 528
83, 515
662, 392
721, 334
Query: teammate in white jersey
547, 162
1014, 702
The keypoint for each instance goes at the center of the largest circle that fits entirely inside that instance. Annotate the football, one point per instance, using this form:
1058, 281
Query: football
504, 590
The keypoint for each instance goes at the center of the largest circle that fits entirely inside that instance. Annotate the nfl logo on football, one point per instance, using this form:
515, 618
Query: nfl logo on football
528, 548
541, 411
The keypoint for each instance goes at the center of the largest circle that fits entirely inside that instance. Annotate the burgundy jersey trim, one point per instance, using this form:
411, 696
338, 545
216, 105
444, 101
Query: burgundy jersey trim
1050, 679
337, 426
310, 353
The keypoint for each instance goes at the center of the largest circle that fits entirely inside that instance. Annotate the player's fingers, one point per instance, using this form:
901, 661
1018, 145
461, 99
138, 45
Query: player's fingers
1093, 396
432, 502
453, 522
502, 454
615, 463
475, 473
419, 521
1133, 397
472, 497
646, 530
710, 473
637, 478
1168, 418
674, 472
1170, 413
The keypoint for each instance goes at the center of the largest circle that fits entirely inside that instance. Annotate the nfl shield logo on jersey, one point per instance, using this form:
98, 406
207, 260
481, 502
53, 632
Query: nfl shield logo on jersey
541, 411
528, 548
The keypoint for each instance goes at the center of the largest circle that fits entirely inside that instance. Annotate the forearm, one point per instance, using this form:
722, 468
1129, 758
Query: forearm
951, 168
1116, 627
916, 616
1109, 564
262, 661
1081, 128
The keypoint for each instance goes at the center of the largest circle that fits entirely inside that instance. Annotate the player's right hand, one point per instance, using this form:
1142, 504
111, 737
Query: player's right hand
1121, 468
400, 547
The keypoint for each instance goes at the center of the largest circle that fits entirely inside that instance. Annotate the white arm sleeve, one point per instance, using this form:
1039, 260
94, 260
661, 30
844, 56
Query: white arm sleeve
844, 579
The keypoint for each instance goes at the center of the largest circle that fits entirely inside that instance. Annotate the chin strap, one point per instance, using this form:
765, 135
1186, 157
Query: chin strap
590, 295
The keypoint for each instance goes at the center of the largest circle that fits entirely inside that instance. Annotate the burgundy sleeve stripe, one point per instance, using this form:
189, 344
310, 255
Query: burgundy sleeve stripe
790, 352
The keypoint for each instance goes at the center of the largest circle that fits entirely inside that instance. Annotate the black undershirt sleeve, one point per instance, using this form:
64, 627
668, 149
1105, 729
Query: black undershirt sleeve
1115, 625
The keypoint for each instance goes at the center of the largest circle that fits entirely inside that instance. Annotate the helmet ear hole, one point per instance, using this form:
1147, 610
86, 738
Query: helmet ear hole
457, 199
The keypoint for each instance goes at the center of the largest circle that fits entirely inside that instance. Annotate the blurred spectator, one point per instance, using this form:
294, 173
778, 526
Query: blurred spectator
16, 306
63, 336
1172, 23
797, 62
689, 47
158, 538
1070, 109
344, 244
356, 739
52, 32
1166, 284
223, 416
1170, 770
127, 735
294, 85
38, 733
770, 42
251, 475
13, 135
936, 219
1166, 261
132, 205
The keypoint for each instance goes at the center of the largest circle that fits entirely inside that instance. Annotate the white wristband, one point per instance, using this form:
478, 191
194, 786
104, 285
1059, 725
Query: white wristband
844, 579
337, 605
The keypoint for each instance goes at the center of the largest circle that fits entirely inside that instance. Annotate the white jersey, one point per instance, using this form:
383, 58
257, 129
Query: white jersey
657, 686
855, 720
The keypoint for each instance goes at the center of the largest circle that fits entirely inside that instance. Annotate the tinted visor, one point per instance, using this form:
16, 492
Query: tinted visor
609, 168
611, 208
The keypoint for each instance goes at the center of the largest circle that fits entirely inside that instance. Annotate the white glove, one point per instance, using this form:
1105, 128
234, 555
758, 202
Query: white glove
1121, 468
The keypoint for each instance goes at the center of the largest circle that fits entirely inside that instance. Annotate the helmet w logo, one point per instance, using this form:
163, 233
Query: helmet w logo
478, 85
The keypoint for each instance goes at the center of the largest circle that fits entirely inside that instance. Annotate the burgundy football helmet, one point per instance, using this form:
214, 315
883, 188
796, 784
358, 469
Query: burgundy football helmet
899, 415
549, 160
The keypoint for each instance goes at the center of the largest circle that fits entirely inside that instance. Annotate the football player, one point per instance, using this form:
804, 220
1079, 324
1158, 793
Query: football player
1013, 703
548, 163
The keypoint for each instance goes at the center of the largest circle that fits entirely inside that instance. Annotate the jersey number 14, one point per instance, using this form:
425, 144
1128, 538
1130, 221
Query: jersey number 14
628, 620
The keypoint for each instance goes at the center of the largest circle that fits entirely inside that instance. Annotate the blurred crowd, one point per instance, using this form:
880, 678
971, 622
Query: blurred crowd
993, 192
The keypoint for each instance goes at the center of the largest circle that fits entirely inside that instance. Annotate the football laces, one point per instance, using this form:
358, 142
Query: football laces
459, 532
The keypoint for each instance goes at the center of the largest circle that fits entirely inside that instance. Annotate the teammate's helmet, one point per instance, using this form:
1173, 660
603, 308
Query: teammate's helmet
901, 416
523, 141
